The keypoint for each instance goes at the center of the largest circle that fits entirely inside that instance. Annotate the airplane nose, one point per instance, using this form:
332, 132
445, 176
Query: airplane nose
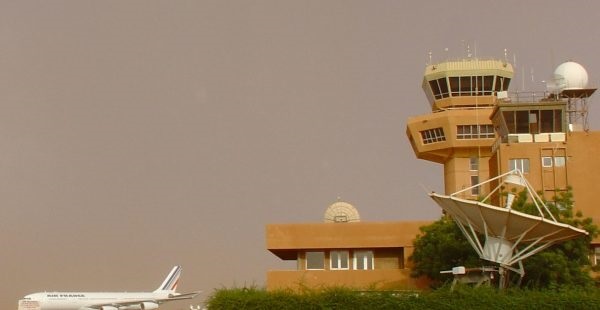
28, 304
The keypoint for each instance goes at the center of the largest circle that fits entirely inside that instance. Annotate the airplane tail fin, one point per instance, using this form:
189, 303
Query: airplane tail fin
170, 282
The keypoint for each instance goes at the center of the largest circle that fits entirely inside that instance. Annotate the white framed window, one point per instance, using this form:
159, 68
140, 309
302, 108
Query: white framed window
559, 161
315, 260
433, 135
339, 260
474, 181
522, 164
475, 132
546, 161
363, 260
474, 164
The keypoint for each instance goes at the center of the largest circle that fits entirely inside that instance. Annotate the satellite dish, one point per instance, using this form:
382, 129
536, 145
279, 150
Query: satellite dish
341, 212
500, 234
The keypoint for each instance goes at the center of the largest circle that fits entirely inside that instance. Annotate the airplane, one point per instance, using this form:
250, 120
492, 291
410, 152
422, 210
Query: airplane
108, 301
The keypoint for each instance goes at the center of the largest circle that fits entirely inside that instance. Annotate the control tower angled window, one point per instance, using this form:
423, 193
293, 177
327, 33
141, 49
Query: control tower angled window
502, 83
435, 89
433, 135
439, 88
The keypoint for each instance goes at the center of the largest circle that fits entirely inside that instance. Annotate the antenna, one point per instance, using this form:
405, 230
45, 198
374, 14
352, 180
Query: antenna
523, 79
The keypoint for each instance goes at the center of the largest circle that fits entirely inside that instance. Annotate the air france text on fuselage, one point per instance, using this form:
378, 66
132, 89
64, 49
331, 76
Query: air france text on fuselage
65, 295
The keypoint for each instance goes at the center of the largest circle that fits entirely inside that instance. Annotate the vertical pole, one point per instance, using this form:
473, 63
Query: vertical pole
503, 282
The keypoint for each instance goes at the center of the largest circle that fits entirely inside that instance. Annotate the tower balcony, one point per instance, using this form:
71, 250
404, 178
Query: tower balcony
438, 136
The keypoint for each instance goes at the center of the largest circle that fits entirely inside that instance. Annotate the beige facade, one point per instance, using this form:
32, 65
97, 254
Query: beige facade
361, 255
457, 144
458, 132
477, 131
551, 161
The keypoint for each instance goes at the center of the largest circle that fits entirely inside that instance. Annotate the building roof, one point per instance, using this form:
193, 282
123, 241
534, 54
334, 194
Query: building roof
285, 240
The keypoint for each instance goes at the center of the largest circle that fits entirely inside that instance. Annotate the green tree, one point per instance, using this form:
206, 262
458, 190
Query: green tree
441, 246
566, 263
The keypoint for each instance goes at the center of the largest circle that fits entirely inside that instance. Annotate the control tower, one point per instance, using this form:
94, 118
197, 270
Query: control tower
458, 132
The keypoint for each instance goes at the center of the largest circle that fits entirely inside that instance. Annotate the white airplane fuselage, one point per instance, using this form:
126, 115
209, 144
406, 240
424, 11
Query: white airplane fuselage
166, 292
81, 300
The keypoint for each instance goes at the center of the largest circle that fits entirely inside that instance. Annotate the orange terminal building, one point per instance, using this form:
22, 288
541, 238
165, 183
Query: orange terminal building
477, 130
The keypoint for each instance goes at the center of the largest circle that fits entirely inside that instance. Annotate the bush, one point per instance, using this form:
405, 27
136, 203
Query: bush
463, 297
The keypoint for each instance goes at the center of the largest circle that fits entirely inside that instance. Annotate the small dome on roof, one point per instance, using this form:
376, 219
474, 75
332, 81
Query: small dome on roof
341, 212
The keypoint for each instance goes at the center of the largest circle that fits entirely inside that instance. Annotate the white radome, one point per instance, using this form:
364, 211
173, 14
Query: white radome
571, 75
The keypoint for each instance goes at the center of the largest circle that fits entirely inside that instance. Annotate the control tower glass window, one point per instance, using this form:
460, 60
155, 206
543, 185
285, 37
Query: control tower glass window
474, 85
502, 83
439, 88
488, 85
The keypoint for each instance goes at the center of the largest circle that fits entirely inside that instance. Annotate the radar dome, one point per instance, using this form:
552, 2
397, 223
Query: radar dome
341, 212
570, 75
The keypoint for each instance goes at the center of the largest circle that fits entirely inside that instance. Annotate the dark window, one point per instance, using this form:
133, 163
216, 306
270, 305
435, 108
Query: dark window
454, 86
474, 181
505, 84
558, 121
435, 89
501, 83
522, 121
477, 85
509, 118
443, 83
465, 86
546, 121
488, 85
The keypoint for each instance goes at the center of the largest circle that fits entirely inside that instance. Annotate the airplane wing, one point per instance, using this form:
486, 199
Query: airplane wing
157, 301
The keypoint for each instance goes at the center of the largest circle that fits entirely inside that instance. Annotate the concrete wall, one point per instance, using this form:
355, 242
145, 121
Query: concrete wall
359, 279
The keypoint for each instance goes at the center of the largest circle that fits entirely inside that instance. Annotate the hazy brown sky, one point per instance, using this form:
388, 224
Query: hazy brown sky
135, 135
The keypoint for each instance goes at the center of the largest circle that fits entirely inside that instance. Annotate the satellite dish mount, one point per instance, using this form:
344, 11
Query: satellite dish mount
500, 234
